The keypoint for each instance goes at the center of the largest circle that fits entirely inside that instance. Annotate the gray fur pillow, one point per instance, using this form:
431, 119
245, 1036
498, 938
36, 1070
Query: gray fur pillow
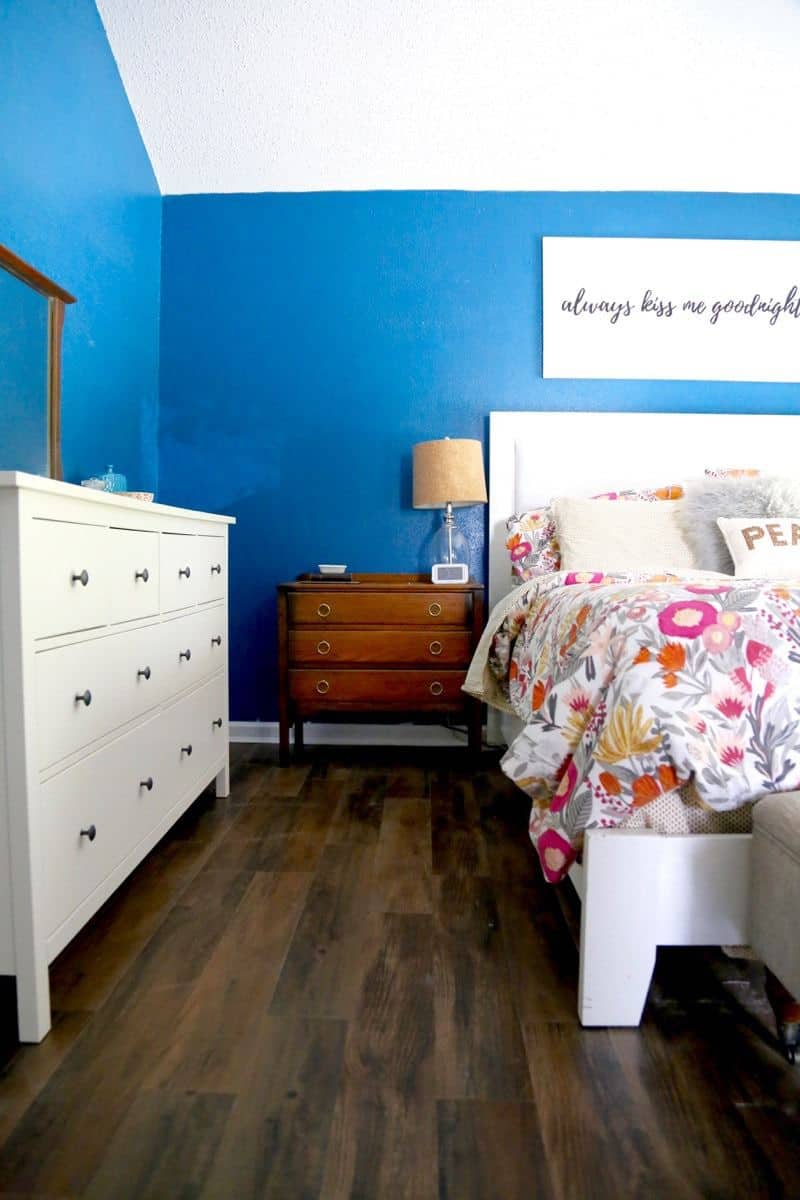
764, 496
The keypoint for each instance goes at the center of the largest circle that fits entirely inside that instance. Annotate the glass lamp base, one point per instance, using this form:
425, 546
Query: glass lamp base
446, 544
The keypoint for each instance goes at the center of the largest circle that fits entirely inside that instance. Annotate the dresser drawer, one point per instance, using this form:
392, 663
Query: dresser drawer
212, 568
380, 646
379, 608
181, 569
376, 689
193, 647
106, 792
191, 738
67, 577
90, 688
133, 561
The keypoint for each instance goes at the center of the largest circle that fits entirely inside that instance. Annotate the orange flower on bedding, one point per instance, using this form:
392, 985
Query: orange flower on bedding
610, 783
645, 790
670, 680
642, 657
667, 777
672, 657
669, 493
538, 694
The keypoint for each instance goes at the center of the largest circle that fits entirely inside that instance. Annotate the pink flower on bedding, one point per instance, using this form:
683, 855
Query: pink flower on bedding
566, 786
757, 654
708, 591
583, 577
739, 677
730, 707
686, 618
716, 638
732, 755
555, 854
521, 550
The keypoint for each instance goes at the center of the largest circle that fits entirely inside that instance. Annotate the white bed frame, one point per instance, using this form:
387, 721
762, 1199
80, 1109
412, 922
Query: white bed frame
639, 889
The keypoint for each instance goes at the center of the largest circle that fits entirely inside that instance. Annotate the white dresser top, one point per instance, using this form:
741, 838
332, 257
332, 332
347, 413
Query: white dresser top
54, 487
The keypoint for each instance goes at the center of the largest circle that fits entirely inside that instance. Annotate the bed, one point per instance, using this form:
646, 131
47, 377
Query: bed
639, 888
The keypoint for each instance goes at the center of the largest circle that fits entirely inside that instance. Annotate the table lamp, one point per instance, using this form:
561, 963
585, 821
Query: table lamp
449, 474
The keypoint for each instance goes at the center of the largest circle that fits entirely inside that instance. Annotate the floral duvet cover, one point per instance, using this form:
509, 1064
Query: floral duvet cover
630, 686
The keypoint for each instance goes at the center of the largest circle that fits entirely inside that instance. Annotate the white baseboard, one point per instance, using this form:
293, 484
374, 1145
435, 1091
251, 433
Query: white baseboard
356, 734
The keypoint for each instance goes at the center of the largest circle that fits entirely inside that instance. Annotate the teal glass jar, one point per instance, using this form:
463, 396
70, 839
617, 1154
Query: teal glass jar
114, 481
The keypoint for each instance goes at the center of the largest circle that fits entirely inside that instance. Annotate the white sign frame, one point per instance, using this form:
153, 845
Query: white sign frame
671, 308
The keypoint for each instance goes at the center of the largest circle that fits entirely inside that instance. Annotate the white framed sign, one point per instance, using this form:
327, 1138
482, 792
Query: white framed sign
671, 308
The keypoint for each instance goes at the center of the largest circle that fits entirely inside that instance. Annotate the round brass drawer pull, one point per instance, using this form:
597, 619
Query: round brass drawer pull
324, 610
323, 686
436, 688
323, 647
436, 647
435, 609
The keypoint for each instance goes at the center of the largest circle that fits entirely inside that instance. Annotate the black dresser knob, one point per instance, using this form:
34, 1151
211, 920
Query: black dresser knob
84, 698
143, 575
218, 723
187, 654
187, 749
216, 641
147, 783
217, 569
144, 672
187, 571
82, 578
90, 833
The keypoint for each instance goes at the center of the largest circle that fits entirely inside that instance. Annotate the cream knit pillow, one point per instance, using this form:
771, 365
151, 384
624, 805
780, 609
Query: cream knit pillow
636, 536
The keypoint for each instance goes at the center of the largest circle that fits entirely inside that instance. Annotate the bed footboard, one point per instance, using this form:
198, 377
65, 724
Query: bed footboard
640, 890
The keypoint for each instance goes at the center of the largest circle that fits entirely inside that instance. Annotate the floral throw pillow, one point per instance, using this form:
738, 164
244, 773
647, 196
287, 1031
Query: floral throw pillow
532, 542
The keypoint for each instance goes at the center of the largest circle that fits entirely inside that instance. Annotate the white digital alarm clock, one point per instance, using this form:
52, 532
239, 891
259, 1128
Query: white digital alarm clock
449, 573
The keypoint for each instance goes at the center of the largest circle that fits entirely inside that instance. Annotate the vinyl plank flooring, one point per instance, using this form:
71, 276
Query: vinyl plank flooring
276, 1136
590, 1125
61, 1140
164, 1147
218, 1026
458, 844
479, 1046
405, 834
386, 1101
349, 980
358, 814
541, 958
330, 950
492, 1148
31, 1067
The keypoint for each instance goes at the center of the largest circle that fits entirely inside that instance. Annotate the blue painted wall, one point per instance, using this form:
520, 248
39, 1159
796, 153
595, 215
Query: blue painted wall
309, 340
79, 200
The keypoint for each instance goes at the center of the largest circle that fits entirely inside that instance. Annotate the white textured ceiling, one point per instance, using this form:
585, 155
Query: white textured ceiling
305, 95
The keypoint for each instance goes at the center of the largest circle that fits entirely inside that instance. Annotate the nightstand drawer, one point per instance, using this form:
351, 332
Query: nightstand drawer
377, 689
380, 647
379, 608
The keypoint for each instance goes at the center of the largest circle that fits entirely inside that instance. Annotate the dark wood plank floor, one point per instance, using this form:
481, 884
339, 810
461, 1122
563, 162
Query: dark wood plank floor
349, 980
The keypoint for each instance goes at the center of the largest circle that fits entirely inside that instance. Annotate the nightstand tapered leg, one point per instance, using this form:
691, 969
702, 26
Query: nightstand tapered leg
298, 736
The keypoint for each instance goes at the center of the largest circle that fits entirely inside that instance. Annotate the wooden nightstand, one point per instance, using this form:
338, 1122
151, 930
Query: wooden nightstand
380, 643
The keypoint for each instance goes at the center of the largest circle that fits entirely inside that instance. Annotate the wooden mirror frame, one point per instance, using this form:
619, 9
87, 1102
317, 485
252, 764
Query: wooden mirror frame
57, 299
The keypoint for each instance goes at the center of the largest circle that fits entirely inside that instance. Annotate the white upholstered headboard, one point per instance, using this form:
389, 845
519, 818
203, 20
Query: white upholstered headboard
534, 456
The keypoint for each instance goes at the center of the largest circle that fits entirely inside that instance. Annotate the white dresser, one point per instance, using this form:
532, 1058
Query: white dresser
113, 704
